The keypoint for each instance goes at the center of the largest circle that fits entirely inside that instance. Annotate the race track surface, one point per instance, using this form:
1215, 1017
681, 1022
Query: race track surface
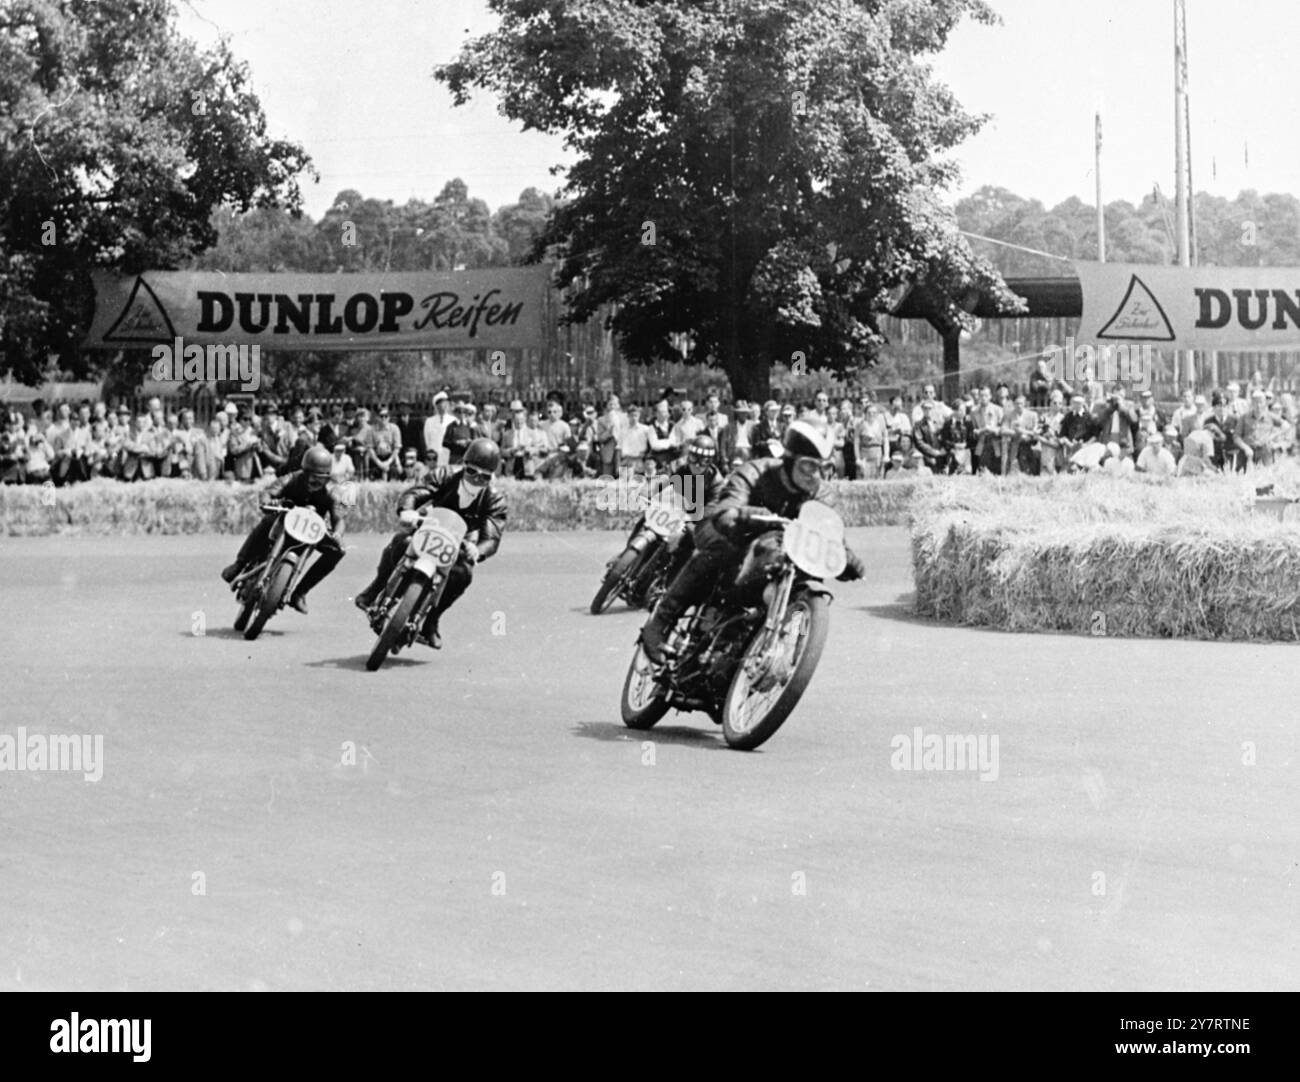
497, 827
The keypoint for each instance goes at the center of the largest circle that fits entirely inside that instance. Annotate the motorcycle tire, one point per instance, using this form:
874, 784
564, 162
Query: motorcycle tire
271, 600
750, 735
394, 625
639, 714
609, 586
246, 607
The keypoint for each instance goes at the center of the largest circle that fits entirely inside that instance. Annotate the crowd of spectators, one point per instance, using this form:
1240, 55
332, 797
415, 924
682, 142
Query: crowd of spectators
1051, 429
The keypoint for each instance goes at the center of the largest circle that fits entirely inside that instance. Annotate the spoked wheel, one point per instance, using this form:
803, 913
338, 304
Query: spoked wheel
271, 598
394, 625
768, 684
644, 700
608, 591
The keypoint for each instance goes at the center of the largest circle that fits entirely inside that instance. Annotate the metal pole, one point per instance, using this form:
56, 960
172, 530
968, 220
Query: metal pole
1182, 223
1101, 213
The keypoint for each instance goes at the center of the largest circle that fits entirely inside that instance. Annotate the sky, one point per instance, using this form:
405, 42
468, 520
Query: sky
352, 82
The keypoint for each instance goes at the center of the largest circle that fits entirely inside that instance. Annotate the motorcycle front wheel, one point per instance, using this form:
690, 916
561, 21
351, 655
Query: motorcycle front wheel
613, 579
394, 625
755, 708
247, 603
644, 700
271, 598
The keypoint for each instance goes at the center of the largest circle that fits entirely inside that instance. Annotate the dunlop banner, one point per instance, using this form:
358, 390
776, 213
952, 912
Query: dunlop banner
479, 309
1225, 308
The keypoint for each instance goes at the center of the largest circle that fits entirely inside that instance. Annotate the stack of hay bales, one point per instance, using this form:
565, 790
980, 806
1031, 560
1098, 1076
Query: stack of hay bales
1185, 558
112, 508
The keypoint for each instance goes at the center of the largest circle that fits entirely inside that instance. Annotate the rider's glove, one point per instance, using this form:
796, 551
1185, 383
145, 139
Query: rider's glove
470, 550
853, 570
408, 518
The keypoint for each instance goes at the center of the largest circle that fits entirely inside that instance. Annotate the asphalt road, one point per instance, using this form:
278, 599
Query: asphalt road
496, 827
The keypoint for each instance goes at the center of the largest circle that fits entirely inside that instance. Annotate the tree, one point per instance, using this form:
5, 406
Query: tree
520, 224
756, 179
118, 139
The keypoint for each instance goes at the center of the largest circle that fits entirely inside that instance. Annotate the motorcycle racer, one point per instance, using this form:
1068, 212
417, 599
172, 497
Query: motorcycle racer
467, 490
702, 484
773, 486
302, 488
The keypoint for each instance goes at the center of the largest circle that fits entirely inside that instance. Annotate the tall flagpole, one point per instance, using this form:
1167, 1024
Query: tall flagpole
1181, 166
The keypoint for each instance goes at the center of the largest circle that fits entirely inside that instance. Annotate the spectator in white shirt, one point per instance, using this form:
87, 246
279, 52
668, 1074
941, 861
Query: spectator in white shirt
939, 412
435, 428
1155, 458
687, 427
634, 447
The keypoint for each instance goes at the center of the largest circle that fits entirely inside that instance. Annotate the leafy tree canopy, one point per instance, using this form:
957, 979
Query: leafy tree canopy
118, 138
759, 175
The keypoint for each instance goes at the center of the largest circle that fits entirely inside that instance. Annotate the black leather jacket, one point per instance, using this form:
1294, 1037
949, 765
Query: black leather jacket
485, 516
760, 486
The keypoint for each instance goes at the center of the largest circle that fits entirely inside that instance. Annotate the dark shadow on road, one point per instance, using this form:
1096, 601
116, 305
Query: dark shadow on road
358, 663
231, 633
661, 734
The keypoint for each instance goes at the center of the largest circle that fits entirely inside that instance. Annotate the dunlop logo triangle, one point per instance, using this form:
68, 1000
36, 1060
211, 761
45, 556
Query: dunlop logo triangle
142, 319
1139, 317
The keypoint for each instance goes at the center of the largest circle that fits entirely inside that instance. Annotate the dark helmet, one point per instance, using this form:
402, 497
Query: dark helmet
803, 440
483, 454
702, 452
316, 460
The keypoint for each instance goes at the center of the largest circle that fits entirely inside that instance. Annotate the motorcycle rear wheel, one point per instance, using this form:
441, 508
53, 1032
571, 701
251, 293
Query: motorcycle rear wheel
750, 717
644, 701
394, 625
271, 599
613, 579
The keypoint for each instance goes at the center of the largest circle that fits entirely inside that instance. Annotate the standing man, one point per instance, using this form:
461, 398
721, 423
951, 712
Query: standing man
662, 451
522, 446
435, 428
610, 430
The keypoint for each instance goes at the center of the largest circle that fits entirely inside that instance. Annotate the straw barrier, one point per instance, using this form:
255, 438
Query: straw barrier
113, 508
1111, 556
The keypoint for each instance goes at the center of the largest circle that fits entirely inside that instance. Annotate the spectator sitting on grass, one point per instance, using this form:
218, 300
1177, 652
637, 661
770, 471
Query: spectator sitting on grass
1155, 458
1230, 452
1259, 429
1115, 463
39, 457
342, 468
413, 470
1198, 449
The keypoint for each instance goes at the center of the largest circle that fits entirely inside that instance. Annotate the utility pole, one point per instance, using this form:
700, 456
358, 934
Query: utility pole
1181, 169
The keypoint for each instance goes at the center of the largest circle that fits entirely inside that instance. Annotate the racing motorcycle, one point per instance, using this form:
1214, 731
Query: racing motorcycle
417, 582
747, 653
263, 589
639, 574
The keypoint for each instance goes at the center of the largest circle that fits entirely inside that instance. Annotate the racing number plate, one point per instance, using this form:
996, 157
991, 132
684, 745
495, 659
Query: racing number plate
664, 519
817, 551
437, 544
303, 524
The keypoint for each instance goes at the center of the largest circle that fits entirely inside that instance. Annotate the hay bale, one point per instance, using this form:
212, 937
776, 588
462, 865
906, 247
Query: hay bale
1101, 555
111, 508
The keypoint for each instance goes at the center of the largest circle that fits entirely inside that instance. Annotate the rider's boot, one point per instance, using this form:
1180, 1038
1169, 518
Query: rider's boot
690, 585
